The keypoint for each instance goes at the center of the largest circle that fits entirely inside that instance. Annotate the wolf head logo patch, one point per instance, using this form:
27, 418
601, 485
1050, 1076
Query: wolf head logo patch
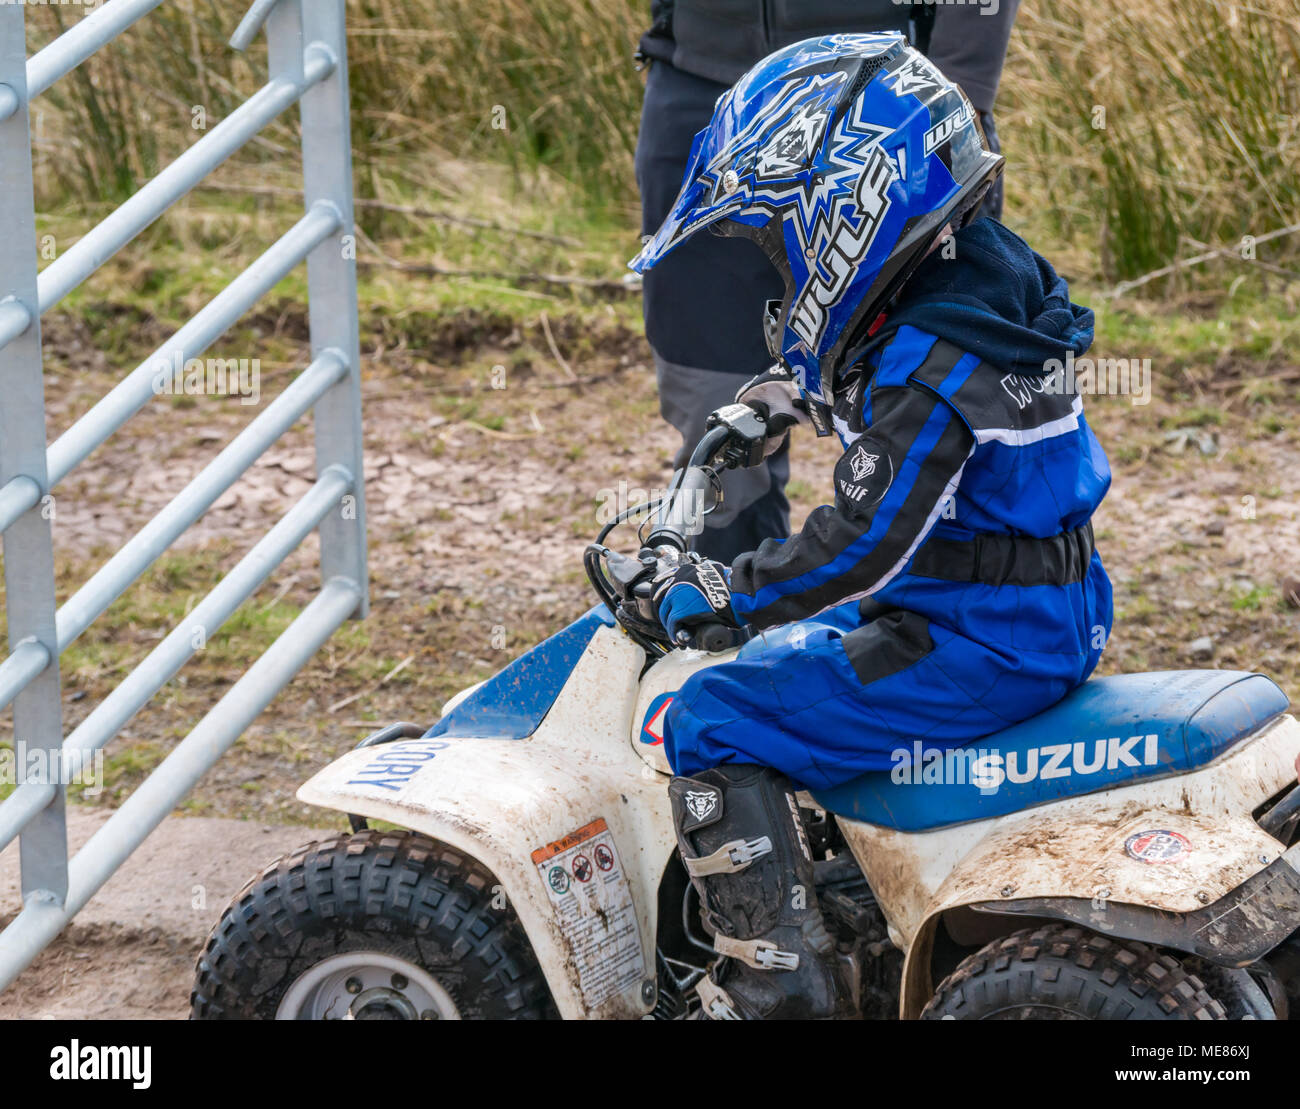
865, 472
695, 803
863, 464
700, 803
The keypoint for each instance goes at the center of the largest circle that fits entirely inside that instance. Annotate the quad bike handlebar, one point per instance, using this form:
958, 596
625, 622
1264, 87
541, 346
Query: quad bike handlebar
735, 437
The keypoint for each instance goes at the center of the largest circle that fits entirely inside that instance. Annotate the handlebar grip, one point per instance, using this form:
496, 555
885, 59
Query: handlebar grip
714, 637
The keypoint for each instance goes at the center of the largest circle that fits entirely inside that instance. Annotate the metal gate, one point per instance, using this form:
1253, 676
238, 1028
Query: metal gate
308, 66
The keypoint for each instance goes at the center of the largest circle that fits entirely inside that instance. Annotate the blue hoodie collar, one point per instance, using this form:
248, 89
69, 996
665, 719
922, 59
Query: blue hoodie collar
997, 299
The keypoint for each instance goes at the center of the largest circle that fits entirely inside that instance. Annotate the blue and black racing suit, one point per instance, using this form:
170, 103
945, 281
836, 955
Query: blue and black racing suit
952, 589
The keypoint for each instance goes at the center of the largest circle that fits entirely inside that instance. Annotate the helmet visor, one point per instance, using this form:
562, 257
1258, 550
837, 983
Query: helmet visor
703, 200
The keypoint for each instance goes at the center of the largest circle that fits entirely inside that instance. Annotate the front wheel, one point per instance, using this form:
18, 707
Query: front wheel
370, 926
1062, 972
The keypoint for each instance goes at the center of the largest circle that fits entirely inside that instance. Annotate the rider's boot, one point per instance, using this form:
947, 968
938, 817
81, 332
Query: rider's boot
746, 850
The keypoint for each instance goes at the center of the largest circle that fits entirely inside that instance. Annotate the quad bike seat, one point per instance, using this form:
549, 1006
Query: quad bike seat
1109, 732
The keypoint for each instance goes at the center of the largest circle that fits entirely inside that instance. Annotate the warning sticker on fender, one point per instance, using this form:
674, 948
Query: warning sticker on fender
593, 903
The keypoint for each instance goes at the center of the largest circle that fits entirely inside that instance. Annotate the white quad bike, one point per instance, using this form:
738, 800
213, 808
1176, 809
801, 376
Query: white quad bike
1133, 852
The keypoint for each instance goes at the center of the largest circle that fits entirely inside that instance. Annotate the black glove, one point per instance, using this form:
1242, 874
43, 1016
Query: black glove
691, 594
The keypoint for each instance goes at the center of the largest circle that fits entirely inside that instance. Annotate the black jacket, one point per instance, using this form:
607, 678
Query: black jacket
721, 39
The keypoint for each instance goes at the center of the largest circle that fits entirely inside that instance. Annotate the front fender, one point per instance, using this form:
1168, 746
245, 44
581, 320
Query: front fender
502, 801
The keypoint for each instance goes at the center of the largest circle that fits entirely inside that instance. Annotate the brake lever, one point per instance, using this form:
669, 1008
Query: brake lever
747, 433
625, 571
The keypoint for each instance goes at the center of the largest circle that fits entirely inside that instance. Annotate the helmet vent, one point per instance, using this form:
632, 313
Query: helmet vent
868, 68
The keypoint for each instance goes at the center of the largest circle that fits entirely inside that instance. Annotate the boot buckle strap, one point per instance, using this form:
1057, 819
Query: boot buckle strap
760, 954
716, 1001
731, 857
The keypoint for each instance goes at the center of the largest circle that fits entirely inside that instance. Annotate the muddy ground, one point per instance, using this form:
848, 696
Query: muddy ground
491, 452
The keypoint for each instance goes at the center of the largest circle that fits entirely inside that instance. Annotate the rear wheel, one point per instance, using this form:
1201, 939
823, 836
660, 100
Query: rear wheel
370, 926
1063, 972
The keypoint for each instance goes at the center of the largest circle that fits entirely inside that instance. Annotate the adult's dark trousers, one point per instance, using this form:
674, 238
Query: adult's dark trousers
703, 315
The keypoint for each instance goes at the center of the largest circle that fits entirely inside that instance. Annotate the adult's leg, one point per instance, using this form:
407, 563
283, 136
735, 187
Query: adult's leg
703, 313
754, 506
992, 206
968, 42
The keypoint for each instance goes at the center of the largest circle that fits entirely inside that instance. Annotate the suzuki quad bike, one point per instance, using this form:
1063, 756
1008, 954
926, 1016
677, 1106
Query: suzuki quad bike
1132, 852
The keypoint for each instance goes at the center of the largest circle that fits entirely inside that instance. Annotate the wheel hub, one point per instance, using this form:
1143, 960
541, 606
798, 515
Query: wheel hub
366, 985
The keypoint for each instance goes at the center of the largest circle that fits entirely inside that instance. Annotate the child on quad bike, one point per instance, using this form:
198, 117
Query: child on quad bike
954, 583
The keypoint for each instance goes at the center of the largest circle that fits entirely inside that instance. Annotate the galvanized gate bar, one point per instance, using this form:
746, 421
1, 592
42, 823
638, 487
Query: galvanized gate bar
81, 40
252, 22
26, 661
307, 51
134, 391
161, 664
20, 494
14, 320
88, 603
28, 546
78, 262
331, 267
126, 829
17, 495
22, 807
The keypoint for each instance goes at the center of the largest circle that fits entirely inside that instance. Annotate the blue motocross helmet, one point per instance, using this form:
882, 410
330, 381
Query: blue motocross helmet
843, 157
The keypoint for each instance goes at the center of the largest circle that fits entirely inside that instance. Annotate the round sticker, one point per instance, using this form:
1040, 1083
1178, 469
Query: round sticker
559, 879
1158, 846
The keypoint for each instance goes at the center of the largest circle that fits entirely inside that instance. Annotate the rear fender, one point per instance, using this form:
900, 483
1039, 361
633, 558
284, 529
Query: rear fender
1226, 892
